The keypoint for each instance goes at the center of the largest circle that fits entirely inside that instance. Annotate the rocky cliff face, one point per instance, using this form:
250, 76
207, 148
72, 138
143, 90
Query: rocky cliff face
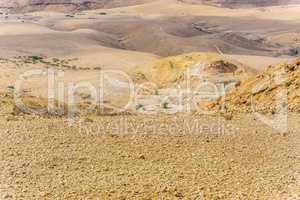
63, 5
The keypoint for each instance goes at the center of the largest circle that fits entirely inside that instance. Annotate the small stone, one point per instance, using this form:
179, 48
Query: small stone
284, 134
228, 116
88, 120
7, 196
11, 118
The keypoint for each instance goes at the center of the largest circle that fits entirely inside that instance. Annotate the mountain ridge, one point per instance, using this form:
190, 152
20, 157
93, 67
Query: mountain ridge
63, 5
243, 3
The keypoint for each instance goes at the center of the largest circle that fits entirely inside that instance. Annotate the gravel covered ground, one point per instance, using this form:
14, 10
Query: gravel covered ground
142, 157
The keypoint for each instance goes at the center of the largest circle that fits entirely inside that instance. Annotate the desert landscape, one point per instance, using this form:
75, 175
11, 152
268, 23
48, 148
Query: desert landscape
150, 99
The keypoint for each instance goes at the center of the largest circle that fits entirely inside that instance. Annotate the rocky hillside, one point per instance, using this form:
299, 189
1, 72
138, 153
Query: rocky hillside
172, 69
278, 85
243, 3
63, 5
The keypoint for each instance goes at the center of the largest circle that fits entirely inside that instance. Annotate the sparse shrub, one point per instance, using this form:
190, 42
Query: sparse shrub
171, 65
97, 68
238, 83
55, 60
165, 105
45, 62
287, 83
35, 58
228, 116
65, 66
11, 87
139, 106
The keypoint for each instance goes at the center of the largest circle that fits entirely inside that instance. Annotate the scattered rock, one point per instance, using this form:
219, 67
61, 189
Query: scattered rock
88, 120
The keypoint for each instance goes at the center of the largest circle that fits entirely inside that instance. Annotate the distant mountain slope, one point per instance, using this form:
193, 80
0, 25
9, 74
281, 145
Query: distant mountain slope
243, 3
63, 5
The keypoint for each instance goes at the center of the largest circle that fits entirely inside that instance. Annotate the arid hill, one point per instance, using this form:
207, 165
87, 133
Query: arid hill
75, 5
63, 5
276, 88
169, 36
172, 69
243, 3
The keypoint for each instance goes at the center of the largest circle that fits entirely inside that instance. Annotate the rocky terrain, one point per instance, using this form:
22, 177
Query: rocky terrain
262, 92
45, 158
209, 81
134, 156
